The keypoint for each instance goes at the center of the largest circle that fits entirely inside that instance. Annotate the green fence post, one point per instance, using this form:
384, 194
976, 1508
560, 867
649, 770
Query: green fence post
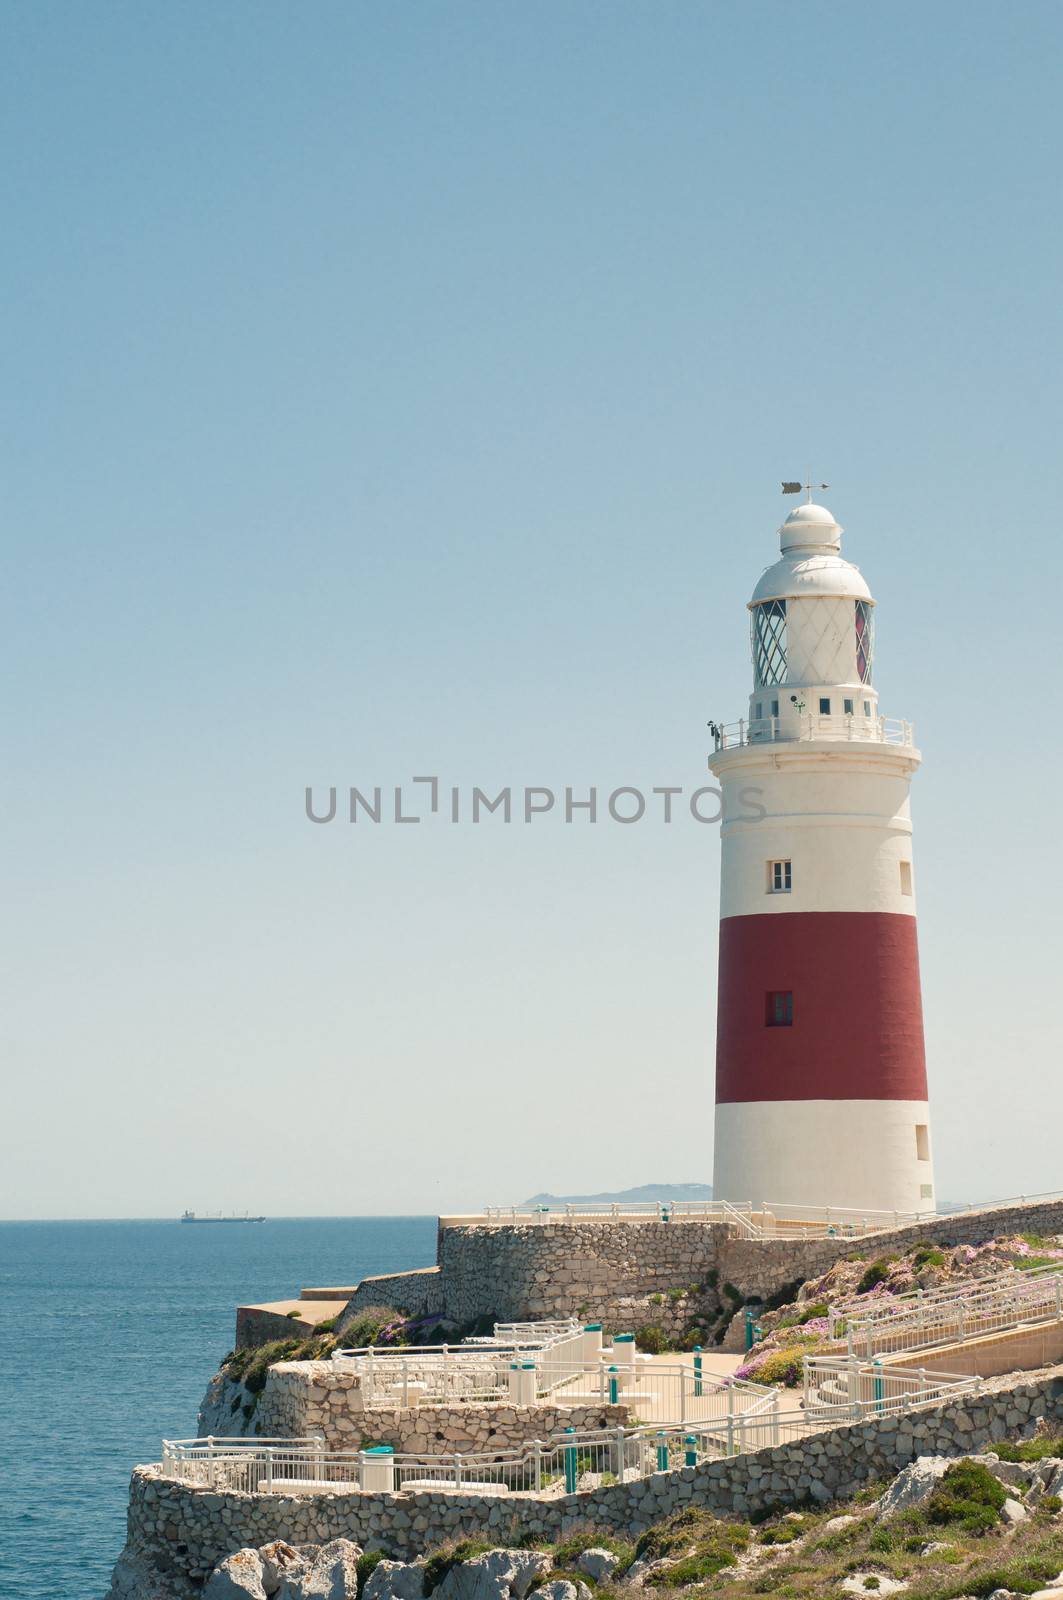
879, 1386
662, 1452
698, 1387
570, 1465
614, 1386
691, 1456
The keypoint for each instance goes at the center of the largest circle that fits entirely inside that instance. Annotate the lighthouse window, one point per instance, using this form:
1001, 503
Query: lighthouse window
779, 1011
848, 707
865, 640
779, 877
824, 707
867, 708
769, 643
922, 1142
775, 708
906, 877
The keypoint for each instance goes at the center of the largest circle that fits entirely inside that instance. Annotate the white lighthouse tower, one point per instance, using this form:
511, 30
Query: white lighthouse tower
821, 1095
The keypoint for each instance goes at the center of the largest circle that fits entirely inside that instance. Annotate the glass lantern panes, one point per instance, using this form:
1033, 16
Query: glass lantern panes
865, 640
769, 643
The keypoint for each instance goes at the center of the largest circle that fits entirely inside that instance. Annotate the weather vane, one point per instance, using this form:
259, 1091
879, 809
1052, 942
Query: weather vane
796, 488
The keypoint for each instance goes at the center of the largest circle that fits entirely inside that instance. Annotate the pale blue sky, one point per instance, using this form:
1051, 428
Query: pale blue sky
395, 389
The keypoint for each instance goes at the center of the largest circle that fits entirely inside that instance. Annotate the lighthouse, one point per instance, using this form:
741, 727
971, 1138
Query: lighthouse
821, 1096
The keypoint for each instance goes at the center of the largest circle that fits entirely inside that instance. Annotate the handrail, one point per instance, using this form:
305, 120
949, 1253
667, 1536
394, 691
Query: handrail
562, 1462
975, 1308
798, 727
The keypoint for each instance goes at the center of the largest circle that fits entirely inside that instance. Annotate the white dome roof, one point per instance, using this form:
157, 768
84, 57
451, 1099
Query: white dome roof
804, 575
811, 564
810, 527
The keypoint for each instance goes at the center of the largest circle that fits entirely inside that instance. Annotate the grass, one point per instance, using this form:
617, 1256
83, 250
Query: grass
1045, 1444
699, 1543
449, 1555
567, 1551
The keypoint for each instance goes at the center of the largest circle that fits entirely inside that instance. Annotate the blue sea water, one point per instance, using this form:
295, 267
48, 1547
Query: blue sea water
111, 1331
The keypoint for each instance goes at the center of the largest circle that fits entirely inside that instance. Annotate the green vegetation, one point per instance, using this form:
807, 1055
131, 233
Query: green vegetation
449, 1555
369, 1324
567, 1552
700, 1544
652, 1340
875, 1274
928, 1255
294, 1316
968, 1496
367, 1564
1045, 1444
675, 1295
656, 1299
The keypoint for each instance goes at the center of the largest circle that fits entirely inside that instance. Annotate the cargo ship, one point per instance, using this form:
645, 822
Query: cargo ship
218, 1216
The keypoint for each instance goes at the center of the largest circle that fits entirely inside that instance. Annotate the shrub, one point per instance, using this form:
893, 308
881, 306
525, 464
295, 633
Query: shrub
818, 1308
875, 1274
367, 1563
968, 1497
675, 1295
656, 1299
294, 1316
450, 1555
368, 1325
782, 1532
782, 1366
568, 1550
1045, 1444
929, 1255
703, 1543
328, 1326
651, 1339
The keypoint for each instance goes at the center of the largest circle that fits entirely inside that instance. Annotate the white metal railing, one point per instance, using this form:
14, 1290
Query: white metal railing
775, 1220
772, 1220
736, 1418
769, 1220
845, 1389
964, 1310
799, 726
475, 1371
625, 1210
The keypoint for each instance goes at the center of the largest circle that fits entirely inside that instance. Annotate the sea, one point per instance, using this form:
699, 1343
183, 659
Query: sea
110, 1333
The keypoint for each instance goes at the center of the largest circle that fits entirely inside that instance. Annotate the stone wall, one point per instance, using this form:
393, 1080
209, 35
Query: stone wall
182, 1532
418, 1293
611, 1270
255, 1326
608, 1271
309, 1397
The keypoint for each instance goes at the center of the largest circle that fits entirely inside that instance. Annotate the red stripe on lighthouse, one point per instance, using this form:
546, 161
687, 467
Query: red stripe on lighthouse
857, 1030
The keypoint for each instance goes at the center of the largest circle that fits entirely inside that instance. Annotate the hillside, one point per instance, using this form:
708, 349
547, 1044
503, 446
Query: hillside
644, 1193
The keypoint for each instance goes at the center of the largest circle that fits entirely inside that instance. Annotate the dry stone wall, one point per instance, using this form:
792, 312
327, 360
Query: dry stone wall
303, 1398
182, 1532
614, 1271
418, 1293
608, 1271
